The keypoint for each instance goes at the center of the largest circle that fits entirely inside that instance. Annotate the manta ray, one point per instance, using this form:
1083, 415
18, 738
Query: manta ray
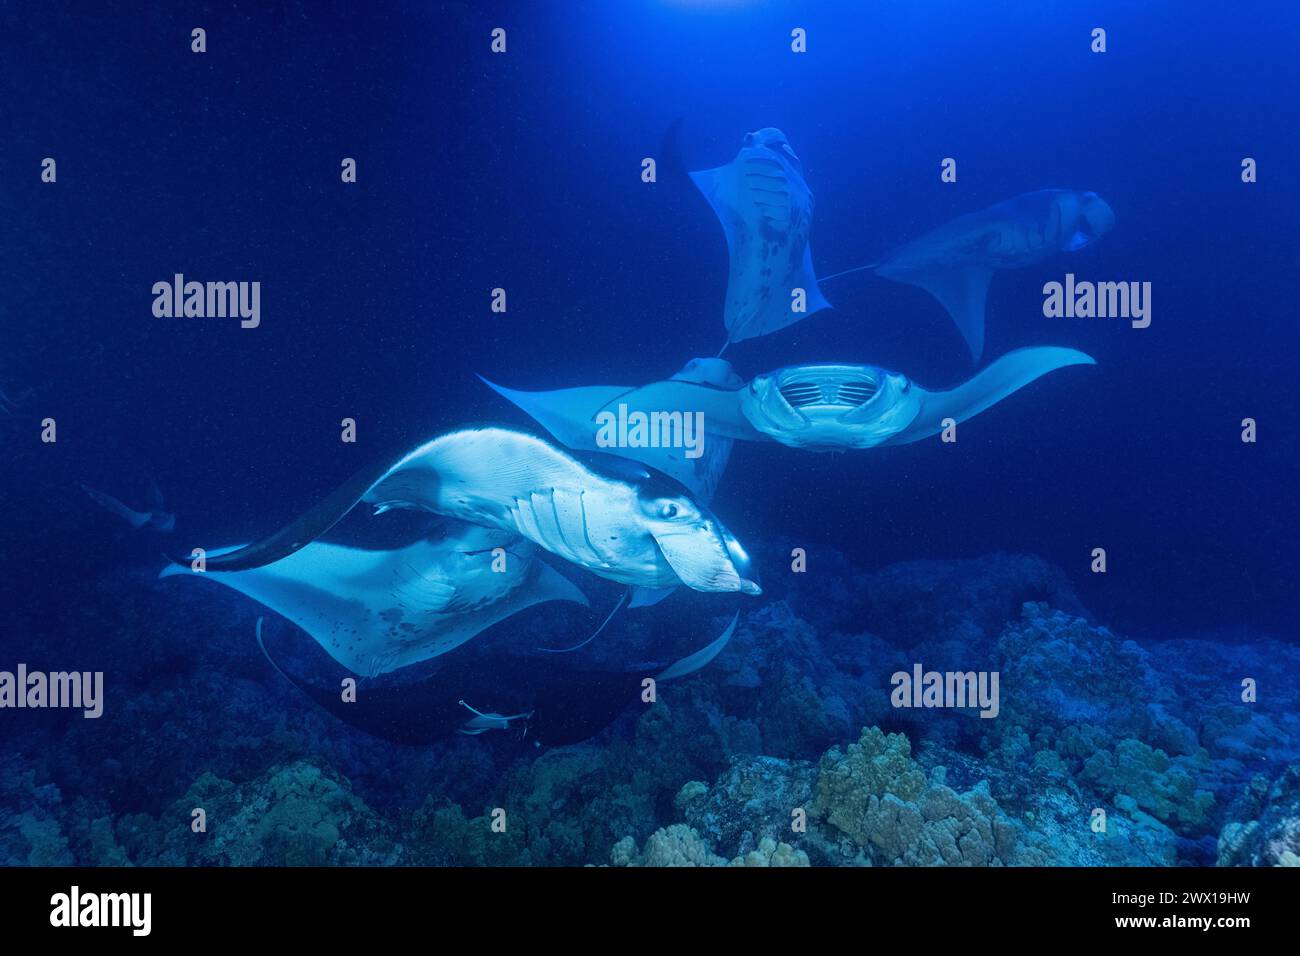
553, 704
614, 517
766, 210
956, 262
569, 415
818, 407
376, 611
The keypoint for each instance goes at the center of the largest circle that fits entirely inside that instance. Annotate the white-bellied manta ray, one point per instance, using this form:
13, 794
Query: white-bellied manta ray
614, 517
766, 209
569, 414
376, 611
956, 262
818, 407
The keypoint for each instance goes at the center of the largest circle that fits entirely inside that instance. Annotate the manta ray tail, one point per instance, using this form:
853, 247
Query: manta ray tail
1008, 374
596, 633
298, 683
836, 275
265, 653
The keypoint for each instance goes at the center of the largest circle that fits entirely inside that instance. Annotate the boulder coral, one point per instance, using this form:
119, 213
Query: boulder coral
877, 795
1268, 832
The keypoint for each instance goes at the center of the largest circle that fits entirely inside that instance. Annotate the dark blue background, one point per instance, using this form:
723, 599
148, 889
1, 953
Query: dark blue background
523, 171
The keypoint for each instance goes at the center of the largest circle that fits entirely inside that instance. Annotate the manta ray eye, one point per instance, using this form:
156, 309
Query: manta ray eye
669, 510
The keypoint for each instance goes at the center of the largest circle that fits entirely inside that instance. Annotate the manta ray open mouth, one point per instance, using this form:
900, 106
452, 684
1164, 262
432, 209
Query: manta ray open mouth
852, 392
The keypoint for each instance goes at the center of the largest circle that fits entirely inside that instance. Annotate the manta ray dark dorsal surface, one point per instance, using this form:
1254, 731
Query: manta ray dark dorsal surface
415, 713
303, 530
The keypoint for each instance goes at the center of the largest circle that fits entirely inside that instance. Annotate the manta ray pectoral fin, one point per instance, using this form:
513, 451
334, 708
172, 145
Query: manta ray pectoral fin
570, 415
670, 158
815, 301
719, 186
719, 406
567, 413
550, 585
300, 532
376, 611
962, 292
648, 597
701, 658
1008, 374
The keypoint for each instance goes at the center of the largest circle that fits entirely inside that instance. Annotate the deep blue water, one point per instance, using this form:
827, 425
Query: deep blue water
523, 171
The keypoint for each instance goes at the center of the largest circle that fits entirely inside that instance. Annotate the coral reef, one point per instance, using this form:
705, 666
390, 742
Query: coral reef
1267, 829
785, 751
879, 797
301, 814
681, 845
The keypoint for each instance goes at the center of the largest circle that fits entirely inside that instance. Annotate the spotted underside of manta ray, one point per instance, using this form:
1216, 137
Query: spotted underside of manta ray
766, 210
826, 407
376, 611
